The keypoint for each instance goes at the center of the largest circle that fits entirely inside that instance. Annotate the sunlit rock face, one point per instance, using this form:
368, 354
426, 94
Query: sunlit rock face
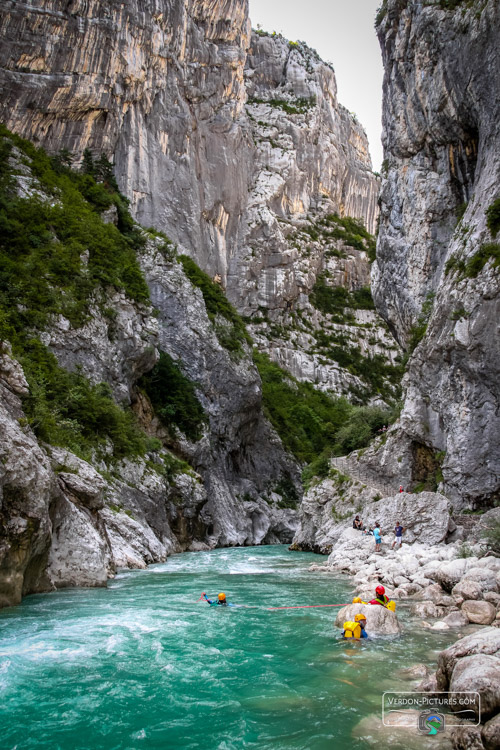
231, 142
158, 84
310, 157
163, 88
435, 250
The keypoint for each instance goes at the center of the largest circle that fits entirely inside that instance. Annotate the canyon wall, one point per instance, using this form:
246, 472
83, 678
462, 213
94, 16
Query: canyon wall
162, 88
436, 276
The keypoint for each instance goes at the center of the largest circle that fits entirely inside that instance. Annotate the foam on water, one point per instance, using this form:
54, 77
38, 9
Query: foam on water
143, 663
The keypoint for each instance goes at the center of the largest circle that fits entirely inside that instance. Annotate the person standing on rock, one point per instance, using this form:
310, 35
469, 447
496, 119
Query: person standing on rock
398, 531
378, 537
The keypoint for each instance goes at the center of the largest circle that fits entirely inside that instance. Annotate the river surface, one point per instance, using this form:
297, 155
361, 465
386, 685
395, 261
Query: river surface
143, 664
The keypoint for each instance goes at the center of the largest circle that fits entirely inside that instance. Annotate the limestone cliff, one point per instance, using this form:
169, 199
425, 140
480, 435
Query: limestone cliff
311, 168
227, 140
72, 512
162, 87
437, 260
436, 276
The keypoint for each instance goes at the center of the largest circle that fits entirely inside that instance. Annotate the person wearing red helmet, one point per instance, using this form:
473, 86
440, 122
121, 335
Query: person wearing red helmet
381, 598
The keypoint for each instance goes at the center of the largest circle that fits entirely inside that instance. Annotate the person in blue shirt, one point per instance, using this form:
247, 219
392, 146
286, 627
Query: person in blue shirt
398, 532
362, 624
219, 602
378, 538
361, 621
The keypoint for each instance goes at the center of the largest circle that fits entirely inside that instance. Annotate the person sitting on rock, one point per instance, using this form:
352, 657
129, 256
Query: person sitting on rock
220, 601
357, 523
398, 531
378, 537
380, 597
355, 629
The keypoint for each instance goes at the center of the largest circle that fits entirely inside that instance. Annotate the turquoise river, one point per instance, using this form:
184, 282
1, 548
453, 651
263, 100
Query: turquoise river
143, 664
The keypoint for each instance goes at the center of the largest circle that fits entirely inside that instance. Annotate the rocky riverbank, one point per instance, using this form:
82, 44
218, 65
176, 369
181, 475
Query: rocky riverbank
453, 586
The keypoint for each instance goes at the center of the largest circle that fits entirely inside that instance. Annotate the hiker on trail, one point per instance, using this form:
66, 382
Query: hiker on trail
357, 523
220, 601
378, 537
355, 628
398, 532
380, 597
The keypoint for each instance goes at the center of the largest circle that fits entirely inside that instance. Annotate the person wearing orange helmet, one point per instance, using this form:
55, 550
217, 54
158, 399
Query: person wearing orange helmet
220, 601
381, 598
355, 628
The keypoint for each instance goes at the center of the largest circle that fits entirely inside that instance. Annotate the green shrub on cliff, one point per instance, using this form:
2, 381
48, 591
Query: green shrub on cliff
351, 231
475, 264
232, 335
471, 267
64, 408
174, 398
334, 299
493, 217
312, 424
381, 13
57, 257
56, 254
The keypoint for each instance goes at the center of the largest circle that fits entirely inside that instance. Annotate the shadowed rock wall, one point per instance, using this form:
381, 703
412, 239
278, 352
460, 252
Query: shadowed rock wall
442, 172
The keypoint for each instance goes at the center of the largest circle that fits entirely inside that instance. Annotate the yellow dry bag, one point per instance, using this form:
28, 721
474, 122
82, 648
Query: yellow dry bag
352, 629
391, 605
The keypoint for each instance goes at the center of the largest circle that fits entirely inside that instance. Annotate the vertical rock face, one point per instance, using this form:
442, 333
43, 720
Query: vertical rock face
157, 83
162, 86
310, 158
66, 521
240, 458
442, 170
27, 488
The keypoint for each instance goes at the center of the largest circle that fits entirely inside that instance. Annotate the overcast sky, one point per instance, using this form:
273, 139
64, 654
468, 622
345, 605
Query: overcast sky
343, 33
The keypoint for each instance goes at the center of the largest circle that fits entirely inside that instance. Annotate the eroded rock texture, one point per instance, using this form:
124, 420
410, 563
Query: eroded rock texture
65, 521
442, 160
229, 141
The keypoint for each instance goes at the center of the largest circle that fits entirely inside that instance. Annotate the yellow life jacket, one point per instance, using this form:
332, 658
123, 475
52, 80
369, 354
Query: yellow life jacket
352, 629
391, 605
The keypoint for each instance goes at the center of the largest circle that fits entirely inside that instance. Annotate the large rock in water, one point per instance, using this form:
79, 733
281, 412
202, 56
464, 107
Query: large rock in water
379, 620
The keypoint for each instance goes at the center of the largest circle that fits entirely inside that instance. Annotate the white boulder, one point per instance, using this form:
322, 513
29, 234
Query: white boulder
379, 620
479, 673
479, 612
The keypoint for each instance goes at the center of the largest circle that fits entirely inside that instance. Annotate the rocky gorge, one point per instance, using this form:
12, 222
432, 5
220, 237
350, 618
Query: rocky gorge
138, 361
287, 199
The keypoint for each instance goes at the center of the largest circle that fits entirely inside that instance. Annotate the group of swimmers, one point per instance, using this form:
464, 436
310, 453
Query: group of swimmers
352, 629
357, 627
377, 534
